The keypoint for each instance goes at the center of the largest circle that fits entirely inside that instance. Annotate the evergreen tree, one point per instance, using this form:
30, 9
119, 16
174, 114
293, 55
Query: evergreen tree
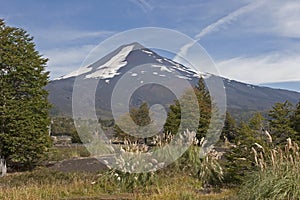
281, 123
240, 158
173, 118
65, 126
24, 108
256, 123
229, 130
296, 121
139, 116
204, 103
205, 108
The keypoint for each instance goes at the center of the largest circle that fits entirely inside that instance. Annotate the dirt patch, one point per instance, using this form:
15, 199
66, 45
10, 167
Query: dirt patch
79, 165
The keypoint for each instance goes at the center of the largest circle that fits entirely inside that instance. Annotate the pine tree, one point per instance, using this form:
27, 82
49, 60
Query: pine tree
24, 107
205, 108
204, 103
296, 121
281, 123
229, 130
239, 159
256, 123
139, 116
174, 118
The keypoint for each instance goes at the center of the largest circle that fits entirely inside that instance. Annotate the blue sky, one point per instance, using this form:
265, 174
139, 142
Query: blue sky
251, 41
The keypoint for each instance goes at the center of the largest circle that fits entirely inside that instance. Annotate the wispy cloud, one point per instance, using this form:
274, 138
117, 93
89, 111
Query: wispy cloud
231, 17
275, 67
61, 35
276, 18
65, 60
217, 26
143, 4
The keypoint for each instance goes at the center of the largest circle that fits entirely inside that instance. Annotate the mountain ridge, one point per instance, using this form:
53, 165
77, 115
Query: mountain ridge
125, 59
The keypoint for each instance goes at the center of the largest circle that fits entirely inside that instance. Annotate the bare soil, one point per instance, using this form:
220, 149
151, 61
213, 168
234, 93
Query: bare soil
86, 164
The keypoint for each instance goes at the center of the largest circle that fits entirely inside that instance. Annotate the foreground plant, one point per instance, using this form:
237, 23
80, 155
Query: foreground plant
278, 177
138, 165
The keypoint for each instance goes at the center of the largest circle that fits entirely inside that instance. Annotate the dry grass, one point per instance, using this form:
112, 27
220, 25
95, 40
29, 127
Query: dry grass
82, 186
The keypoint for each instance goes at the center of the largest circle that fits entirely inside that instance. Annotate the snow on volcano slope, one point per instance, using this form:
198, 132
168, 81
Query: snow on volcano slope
111, 67
82, 70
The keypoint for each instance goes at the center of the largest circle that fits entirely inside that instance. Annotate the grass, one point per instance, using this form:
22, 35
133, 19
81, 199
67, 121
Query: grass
180, 180
67, 152
278, 177
46, 184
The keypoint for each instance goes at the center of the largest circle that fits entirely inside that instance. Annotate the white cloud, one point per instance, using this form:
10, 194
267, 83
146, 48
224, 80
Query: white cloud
262, 69
216, 26
288, 19
276, 18
65, 60
63, 35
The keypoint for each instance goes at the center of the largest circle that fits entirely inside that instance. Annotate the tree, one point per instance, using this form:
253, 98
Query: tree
204, 103
139, 116
281, 123
239, 158
24, 109
296, 121
174, 118
256, 122
229, 130
205, 108
65, 126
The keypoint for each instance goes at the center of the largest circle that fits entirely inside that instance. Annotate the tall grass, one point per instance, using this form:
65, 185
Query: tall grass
48, 185
45, 184
278, 177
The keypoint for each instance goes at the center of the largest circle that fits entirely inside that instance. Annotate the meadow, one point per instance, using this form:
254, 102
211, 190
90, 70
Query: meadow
274, 176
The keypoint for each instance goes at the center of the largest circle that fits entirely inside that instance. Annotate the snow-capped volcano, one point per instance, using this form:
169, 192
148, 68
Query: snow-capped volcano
140, 65
127, 59
131, 55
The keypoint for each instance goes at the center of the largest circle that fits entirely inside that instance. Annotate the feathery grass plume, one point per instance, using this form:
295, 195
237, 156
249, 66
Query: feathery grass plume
211, 172
279, 177
255, 156
259, 146
270, 139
